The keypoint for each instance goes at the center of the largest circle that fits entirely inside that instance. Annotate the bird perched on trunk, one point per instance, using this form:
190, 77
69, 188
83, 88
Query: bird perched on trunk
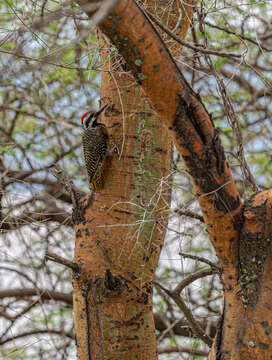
96, 149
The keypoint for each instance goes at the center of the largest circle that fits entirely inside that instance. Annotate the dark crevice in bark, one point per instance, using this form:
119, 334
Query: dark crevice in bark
79, 210
252, 250
211, 165
219, 337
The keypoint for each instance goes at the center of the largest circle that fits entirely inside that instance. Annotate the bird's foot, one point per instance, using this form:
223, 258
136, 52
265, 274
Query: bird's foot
114, 148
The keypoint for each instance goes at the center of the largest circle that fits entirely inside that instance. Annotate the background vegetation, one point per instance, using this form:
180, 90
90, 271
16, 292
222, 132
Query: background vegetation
50, 75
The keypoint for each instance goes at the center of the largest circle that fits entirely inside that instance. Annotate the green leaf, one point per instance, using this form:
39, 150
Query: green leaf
74, 5
29, 126
42, 154
6, 148
72, 154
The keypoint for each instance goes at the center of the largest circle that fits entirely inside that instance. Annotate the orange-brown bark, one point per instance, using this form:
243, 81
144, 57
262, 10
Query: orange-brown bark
247, 318
241, 237
186, 119
123, 230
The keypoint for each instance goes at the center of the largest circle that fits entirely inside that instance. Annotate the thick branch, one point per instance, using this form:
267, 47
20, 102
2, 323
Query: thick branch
195, 276
43, 294
186, 119
36, 332
29, 217
61, 260
181, 328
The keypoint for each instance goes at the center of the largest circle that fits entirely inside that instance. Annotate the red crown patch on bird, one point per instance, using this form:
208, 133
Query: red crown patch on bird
83, 116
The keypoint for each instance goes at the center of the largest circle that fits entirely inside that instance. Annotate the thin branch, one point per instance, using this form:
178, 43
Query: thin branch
230, 111
64, 11
29, 217
20, 273
46, 60
195, 327
185, 43
43, 294
238, 35
198, 258
181, 328
61, 175
167, 330
189, 279
189, 213
35, 332
25, 310
182, 349
61, 260
97, 17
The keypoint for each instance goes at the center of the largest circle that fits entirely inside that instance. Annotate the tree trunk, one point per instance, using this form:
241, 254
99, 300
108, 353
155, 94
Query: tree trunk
119, 240
241, 235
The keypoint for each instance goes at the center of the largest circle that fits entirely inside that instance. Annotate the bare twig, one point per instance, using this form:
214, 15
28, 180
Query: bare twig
182, 349
195, 276
189, 213
231, 114
196, 328
61, 175
215, 26
36, 332
167, 330
43, 294
198, 258
189, 45
61, 260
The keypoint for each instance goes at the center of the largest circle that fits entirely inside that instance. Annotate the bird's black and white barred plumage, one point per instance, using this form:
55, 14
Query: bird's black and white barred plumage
95, 142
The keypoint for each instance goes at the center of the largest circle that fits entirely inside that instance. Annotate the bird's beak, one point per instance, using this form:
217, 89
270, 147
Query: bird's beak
100, 110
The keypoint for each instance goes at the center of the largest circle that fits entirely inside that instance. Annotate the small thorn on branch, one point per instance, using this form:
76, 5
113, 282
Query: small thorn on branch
61, 260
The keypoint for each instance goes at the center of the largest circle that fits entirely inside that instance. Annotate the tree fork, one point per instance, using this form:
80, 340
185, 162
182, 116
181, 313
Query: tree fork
128, 224
245, 331
186, 119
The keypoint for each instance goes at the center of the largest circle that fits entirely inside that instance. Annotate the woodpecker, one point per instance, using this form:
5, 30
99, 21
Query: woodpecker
95, 141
